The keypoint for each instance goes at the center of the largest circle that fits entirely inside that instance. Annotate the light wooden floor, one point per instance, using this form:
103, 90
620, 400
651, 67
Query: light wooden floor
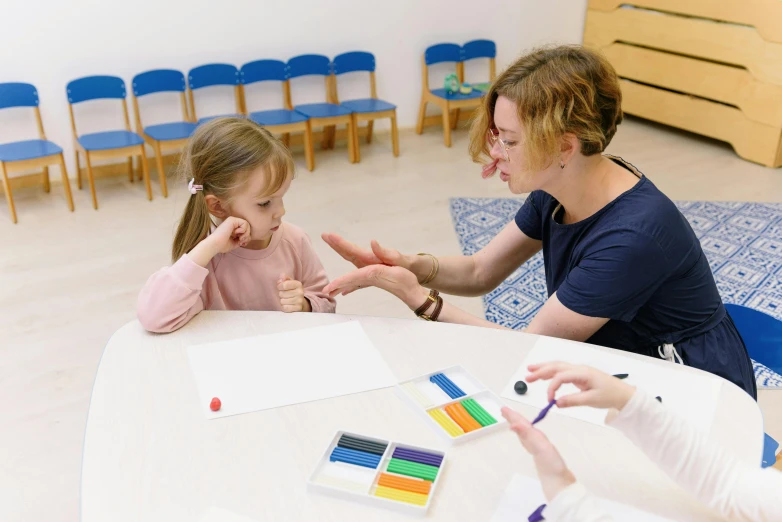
67, 281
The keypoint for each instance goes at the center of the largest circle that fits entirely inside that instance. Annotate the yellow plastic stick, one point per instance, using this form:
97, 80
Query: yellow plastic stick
450, 427
401, 496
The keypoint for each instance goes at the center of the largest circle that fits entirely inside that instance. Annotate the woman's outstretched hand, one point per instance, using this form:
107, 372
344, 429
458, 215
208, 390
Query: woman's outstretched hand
393, 279
362, 257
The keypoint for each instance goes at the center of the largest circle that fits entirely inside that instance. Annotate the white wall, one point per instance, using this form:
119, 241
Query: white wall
51, 42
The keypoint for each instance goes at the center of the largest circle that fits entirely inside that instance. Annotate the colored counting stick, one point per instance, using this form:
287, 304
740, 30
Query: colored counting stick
361, 446
447, 386
412, 469
478, 413
401, 496
406, 484
537, 515
446, 423
416, 393
341, 483
418, 456
357, 458
544, 411
462, 418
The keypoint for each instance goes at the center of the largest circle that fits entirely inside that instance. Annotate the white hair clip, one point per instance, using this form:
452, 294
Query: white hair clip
194, 188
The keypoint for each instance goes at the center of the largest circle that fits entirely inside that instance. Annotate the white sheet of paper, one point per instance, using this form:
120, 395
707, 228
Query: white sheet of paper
216, 514
524, 495
269, 371
693, 397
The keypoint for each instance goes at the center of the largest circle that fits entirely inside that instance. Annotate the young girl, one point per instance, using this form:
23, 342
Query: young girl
231, 250
736, 490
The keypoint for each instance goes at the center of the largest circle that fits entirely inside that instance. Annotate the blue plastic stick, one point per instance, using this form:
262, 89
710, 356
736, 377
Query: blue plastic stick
447, 386
358, 458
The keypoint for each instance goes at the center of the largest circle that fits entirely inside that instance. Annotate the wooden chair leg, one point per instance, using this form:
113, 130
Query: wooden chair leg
455, 120
354, 137
161, 172
351, 141
419, 127
78, 169
92, 181
447, 127
46, 184
9, 197
145, 170
65, 183
130, 169
394, 135
332, 136
370, 126
286, 139
309, 151
324, 142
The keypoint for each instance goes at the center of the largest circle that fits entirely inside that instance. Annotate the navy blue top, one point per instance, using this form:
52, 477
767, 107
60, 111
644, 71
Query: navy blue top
638, 263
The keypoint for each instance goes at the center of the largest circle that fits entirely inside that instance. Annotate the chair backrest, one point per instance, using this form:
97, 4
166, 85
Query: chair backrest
309, 64
15, 94
95, 88
762, 335
263, 71
444, 52
213, 74
479, 49
158, 80
353, 62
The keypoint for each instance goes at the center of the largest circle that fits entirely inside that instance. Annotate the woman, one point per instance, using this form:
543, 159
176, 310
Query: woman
624, 268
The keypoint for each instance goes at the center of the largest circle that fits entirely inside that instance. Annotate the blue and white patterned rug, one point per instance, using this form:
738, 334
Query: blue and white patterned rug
743, 242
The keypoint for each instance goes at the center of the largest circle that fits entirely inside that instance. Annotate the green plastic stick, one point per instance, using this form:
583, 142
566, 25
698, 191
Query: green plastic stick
412, 469
478, 412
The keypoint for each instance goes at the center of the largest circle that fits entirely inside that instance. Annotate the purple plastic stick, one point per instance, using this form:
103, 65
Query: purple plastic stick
537, 515
418, 456
544, 411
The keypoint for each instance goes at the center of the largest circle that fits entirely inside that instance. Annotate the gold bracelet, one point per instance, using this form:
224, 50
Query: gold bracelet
434, 271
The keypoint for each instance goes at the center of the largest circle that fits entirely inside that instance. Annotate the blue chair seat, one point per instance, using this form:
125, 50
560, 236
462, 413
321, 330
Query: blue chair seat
110, 140
323, 110
368, 105
170, 131
441, 93
277, 117
205, 119
29, 149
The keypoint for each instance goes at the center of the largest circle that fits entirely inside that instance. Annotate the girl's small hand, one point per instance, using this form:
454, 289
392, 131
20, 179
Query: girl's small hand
598, 389
553, 473
232, 233
292, 295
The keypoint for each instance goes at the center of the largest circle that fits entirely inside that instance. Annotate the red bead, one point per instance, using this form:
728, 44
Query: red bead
215, 404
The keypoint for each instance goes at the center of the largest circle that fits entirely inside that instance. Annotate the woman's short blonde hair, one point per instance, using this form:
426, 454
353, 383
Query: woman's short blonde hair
558, 90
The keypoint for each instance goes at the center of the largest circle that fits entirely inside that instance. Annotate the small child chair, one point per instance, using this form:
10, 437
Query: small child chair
476, 49
106, 144
322, 114
369, 109
165, 136
211, 75
29, 154
443, 53
279, 121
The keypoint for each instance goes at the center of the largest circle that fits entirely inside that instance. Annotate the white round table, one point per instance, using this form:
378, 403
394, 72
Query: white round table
150, 455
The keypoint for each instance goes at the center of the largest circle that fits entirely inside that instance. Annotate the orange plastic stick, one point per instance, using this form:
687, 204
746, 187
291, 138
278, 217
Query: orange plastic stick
462, 418
405, 484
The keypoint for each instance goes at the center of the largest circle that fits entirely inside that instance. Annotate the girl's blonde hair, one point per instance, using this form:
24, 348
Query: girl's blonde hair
220, 156
558, 90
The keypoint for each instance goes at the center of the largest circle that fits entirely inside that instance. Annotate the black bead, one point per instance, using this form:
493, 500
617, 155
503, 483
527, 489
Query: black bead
520, 387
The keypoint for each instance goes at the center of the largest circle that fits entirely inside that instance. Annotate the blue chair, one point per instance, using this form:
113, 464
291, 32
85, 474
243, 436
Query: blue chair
477, 49
327, 114
280, 121
165, 136
443, 53
211, 75
761, 333
107, 144
28, 154
368, 109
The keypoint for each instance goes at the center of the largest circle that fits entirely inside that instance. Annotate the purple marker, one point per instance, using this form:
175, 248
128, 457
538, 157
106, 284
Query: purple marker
544, 411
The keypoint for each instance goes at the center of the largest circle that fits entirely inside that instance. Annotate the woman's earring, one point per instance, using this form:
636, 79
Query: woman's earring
562, 164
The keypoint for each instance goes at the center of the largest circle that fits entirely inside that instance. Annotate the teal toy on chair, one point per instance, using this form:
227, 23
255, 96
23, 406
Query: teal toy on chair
451, 84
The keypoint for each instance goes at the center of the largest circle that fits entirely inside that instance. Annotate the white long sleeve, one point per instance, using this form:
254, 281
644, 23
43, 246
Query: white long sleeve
735, 489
